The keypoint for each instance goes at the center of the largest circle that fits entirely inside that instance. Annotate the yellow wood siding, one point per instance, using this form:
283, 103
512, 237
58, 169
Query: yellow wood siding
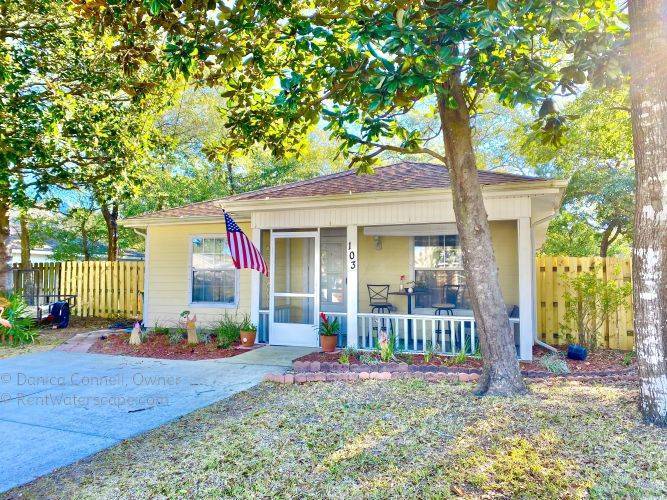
169, 276
385, 266
169, 268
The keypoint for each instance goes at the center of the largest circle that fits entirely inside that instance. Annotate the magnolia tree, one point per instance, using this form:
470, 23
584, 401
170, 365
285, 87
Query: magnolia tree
358, 67
72, 115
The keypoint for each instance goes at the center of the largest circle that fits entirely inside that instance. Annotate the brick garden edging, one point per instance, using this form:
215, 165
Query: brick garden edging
334, 366
328, 371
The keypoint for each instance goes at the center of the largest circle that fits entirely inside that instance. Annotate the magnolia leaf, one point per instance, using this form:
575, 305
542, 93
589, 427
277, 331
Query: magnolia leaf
400, 14
492, 4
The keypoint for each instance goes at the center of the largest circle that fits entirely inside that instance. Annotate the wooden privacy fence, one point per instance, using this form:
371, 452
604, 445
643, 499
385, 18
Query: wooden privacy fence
105, 289
617, 332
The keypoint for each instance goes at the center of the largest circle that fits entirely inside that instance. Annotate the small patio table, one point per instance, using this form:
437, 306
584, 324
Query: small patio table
409, 296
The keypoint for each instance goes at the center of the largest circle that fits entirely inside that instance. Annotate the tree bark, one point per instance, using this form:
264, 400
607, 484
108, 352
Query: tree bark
111, 220
5, 257
25, 241
648, 95
608, 238
85, 244
501, 374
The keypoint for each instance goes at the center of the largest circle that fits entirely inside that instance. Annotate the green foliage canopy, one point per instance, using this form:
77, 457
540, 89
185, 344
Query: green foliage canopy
360, 65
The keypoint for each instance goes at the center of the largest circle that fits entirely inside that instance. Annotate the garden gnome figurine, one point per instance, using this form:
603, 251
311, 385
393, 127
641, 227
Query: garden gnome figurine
135, 336
191, 328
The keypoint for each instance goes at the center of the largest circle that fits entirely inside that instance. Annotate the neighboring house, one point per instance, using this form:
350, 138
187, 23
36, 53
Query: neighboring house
37, 255
327, 239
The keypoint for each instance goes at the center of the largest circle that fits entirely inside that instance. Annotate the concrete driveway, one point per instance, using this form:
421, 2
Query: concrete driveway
59, 407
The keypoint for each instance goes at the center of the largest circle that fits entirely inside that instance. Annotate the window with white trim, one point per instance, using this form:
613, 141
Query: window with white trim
214, 277
438, 261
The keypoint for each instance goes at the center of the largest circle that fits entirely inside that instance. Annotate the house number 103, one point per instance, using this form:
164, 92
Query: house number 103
351, 256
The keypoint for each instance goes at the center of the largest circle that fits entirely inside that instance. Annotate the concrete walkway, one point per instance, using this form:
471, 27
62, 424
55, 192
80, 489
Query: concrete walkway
58, 407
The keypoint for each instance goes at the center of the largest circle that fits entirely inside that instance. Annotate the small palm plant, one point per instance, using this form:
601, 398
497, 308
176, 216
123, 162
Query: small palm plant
17, 327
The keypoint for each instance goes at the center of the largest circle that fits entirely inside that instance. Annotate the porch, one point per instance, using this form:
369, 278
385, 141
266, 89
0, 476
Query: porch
329, 270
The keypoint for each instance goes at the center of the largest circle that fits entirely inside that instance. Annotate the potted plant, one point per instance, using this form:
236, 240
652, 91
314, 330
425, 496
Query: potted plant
328, 331
248, 332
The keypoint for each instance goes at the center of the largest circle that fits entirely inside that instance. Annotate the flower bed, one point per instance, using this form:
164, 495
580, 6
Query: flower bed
158, 346
600, 363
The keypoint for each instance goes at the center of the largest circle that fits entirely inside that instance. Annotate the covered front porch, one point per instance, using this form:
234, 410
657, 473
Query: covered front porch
354, 273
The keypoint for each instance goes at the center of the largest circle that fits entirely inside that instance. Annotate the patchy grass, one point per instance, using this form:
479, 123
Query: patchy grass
404, 438
49, 338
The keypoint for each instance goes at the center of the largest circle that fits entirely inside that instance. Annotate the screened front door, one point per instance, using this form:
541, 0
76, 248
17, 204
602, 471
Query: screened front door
294, 283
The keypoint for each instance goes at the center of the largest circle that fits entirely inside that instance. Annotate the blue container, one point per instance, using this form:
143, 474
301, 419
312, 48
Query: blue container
578, 352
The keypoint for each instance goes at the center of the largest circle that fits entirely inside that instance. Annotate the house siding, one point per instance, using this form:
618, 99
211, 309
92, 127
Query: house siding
169, 276
168, 290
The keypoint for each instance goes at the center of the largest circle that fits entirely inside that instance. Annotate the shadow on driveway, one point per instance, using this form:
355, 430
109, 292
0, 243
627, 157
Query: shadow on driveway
59, 407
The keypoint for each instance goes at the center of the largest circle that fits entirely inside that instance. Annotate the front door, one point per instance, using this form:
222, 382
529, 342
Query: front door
294, 303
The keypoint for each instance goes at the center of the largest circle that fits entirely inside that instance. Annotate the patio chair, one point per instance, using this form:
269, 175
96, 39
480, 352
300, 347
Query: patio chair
450, 300
378, 296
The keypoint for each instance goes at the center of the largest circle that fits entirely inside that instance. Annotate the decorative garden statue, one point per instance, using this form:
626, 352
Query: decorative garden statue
191, 328
135, 335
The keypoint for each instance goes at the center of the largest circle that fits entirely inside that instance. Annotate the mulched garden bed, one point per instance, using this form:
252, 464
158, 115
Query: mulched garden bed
158, 346
601, 362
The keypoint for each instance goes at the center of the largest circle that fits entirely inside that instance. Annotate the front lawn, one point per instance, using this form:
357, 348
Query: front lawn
404, 438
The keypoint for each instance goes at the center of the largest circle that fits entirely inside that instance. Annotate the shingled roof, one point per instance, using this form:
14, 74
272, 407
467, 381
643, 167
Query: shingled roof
402, 176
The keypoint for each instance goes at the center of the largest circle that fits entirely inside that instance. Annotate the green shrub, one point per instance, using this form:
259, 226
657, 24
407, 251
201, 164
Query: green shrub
628, 357
160, 329
430, 350
459, 358
227, 331
205, 336
554, 363
22, 330
344, 358
589, 301
175, 335
368, 359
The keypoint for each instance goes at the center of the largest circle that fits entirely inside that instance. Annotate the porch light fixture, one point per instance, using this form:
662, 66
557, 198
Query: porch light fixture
378, 242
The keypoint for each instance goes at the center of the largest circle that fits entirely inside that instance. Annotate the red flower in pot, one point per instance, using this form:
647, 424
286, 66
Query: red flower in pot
328, 331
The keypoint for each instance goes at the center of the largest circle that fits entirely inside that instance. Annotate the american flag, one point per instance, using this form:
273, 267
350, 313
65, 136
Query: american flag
244, 254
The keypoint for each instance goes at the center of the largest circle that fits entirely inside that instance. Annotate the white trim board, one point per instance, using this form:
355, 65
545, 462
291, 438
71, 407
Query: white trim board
411, 230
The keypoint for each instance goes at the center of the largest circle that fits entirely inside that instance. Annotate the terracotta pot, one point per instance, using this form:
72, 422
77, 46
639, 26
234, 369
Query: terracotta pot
248, 338
328, 342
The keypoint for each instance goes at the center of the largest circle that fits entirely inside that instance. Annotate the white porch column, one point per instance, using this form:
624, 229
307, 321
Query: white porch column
352, 285
254, 280
526, 288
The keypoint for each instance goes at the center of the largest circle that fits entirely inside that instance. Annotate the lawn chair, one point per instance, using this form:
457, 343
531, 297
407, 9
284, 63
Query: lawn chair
450, 300
378, 296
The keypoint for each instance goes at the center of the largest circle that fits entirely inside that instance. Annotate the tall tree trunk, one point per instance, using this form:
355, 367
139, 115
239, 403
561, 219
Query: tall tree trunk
25, 240
5, 257
110, 215
501, 375
85, 243
230, 176
648, 95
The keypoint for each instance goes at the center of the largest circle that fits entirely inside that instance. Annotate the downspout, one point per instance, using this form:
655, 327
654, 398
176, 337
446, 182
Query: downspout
144, 312
536, 340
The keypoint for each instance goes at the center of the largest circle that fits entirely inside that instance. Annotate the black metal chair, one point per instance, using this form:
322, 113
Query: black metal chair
450, 300
378, 296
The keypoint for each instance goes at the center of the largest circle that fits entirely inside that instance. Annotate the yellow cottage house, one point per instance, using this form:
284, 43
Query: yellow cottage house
376, 251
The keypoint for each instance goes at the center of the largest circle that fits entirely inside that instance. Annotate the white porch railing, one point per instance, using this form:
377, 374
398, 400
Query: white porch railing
447, 335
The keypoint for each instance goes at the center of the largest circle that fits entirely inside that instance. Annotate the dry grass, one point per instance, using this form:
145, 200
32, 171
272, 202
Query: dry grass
397, 439
49, 338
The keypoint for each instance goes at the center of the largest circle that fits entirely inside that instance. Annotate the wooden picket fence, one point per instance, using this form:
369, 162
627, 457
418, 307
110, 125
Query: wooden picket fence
617, 332
104, 289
